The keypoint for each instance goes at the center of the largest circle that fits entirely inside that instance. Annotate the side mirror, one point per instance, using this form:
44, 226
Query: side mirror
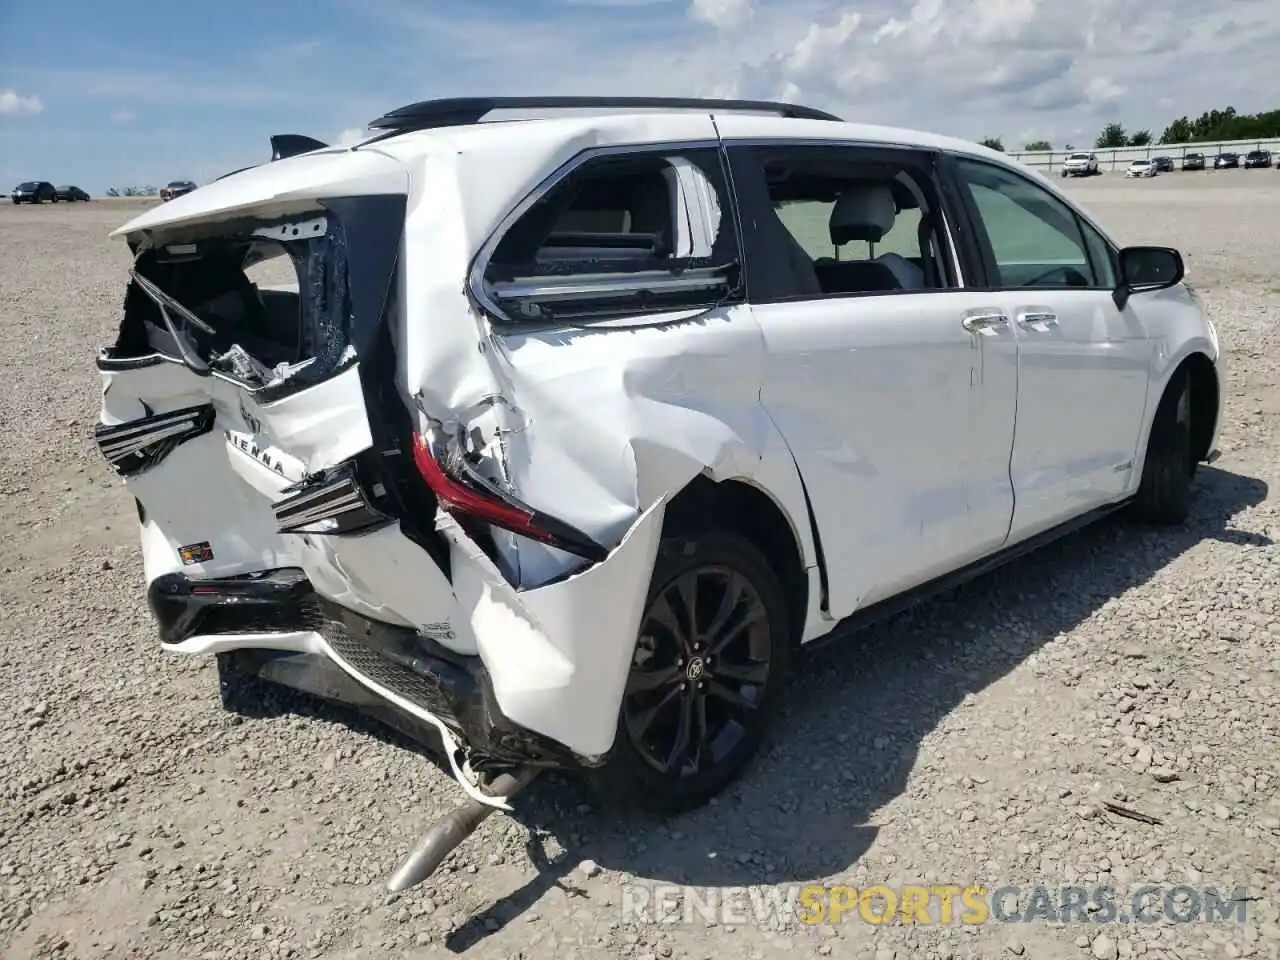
1147, 268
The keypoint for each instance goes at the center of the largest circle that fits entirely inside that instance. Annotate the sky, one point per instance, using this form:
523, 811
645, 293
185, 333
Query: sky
135, 92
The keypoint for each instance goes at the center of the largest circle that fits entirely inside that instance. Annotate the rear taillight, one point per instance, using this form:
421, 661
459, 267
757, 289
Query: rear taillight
499, 509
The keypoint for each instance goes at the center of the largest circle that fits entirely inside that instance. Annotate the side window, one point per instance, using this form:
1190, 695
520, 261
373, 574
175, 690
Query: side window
1035, 238
1104, 259
846, 221
644, 233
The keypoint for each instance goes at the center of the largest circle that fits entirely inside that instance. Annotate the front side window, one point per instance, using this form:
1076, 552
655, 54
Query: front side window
1102, 256
644, 233
1035, 238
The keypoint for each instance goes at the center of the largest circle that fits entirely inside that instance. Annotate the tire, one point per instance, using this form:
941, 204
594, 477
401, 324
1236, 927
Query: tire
693, 688
1164, 494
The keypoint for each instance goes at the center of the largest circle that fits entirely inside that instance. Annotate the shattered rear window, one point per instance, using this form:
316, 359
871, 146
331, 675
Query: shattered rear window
258, 306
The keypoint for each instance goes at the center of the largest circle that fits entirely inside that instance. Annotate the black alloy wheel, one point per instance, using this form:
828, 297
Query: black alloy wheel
711, 653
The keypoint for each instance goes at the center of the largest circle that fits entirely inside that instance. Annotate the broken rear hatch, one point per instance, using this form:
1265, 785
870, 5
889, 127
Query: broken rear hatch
255, 423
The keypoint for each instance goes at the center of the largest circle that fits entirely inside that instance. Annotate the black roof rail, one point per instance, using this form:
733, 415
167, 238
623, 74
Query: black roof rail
461, 111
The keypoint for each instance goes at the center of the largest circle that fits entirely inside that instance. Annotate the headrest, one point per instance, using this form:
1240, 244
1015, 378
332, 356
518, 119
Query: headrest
863, 212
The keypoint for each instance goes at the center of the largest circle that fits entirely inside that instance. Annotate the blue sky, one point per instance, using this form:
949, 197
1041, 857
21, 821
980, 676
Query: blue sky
142, 92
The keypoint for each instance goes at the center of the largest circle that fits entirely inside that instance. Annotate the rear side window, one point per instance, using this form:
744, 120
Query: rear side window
619, 236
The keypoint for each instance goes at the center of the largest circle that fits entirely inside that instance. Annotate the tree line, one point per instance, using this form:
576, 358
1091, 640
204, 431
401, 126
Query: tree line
1209, 127
147, 191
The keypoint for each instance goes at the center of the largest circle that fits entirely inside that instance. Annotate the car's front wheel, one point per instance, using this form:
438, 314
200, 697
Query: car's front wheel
1164, 493
709, 662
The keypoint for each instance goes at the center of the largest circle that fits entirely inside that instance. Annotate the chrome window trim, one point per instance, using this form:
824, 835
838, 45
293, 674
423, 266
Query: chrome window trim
542, 289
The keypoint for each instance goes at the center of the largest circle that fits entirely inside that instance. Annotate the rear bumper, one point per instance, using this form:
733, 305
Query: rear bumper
259, 619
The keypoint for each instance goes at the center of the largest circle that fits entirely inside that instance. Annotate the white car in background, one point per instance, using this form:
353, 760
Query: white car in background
1080, 165
1142, 168
574, 430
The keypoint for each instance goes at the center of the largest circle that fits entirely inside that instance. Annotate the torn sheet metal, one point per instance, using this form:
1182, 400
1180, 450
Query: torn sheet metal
593, 425
559, 656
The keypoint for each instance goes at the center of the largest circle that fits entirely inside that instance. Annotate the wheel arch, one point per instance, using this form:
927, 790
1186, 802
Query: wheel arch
1206, 399
749, 509
1206, 402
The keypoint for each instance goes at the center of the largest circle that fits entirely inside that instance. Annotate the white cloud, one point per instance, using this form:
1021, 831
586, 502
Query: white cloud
12, 104
123, 115
352, 135
721, 13
971, 68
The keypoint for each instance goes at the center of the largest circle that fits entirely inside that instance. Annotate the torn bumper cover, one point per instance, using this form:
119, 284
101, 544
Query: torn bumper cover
547, 672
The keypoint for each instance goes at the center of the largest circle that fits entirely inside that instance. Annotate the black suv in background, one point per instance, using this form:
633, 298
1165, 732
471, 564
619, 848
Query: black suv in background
176, 188
34, 191
70, 194
1163, 164
1226, 161
1193, 161
1257, 158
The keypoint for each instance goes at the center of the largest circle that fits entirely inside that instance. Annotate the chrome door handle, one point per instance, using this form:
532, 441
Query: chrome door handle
982, 322
1037, 318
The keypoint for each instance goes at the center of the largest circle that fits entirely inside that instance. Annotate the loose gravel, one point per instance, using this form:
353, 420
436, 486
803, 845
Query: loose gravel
988, 737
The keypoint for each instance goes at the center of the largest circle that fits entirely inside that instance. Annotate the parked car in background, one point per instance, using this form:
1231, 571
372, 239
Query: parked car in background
35, 191
1226, 161
1080, 165
1141, 168
176, 188
70, 194
1193, 161
412, 481
1257, 158
1163, 164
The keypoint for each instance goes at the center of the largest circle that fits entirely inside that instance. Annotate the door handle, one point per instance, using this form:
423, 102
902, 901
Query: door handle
1037, 318
984, 322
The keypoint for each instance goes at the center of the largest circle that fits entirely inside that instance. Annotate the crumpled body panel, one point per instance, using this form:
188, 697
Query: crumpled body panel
596, 426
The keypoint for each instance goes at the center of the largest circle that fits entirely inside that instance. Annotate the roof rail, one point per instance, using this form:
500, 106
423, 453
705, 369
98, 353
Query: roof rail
460, 111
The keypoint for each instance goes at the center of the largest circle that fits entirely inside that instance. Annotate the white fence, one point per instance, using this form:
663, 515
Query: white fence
1120, 157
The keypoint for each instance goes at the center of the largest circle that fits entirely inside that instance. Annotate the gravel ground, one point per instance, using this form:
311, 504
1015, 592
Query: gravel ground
971, 741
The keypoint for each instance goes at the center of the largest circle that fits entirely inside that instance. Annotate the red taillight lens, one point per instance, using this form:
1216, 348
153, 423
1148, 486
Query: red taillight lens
461, 499
457, 498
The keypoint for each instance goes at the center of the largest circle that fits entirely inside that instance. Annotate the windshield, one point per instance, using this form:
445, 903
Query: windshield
27, 185
1079, 156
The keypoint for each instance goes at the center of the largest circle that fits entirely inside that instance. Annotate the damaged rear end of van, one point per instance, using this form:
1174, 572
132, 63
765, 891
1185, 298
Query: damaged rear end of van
370, 463
306, 519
